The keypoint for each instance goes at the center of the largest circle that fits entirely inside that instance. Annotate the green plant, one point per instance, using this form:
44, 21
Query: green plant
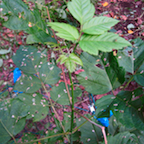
102, 73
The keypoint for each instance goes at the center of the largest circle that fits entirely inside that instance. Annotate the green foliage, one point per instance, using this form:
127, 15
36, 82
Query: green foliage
70, 61
102, 72
105, 42
66, 31
124, 109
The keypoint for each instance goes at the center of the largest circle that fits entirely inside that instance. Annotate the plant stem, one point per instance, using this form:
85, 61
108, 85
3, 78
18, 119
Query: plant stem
72, 106
75, 47
54, 110
128, 83
66, 85
8, 131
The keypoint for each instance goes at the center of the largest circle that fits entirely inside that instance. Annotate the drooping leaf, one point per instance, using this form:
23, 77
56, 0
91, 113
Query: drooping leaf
90, 134
124, 111
59, 94
82, 10
38, 105
98, 25
99, 80
105, 42
65, 31
28, 84
1, 62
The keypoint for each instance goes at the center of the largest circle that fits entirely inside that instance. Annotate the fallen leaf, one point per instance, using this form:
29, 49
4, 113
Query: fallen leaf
123, 17
79, 71
105, 4
130, 31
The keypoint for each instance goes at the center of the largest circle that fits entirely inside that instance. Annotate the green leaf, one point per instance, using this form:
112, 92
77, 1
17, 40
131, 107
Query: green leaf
105, 42
125, 112
29, 59
82, 10
65, 31
28, 84
59, 94
100, 80
16, 23
49, 73
70, 62
139, 78
132, 58
126, 60
13, 121
98, 25
20, 19
90, 134
38, 105
123, 138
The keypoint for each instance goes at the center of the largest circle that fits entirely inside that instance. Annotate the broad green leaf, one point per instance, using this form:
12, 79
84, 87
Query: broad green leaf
82, 10
70, 61
28, 84
65, 31
3, 51
140, 135
132, 58
59, 94
29, 59
27, 137
139, 78
49, 73
125, 112
126, 60
16, 23
100, 80
90, 134
105, 42
122, 138
98, 25
38, 105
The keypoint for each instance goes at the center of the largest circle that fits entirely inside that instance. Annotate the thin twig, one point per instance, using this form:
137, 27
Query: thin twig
8, 132
50, 21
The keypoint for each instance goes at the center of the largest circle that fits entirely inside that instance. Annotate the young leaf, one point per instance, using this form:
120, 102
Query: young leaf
105, 42
65, 31
70, 62
82, 10
98, 25
124, 111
